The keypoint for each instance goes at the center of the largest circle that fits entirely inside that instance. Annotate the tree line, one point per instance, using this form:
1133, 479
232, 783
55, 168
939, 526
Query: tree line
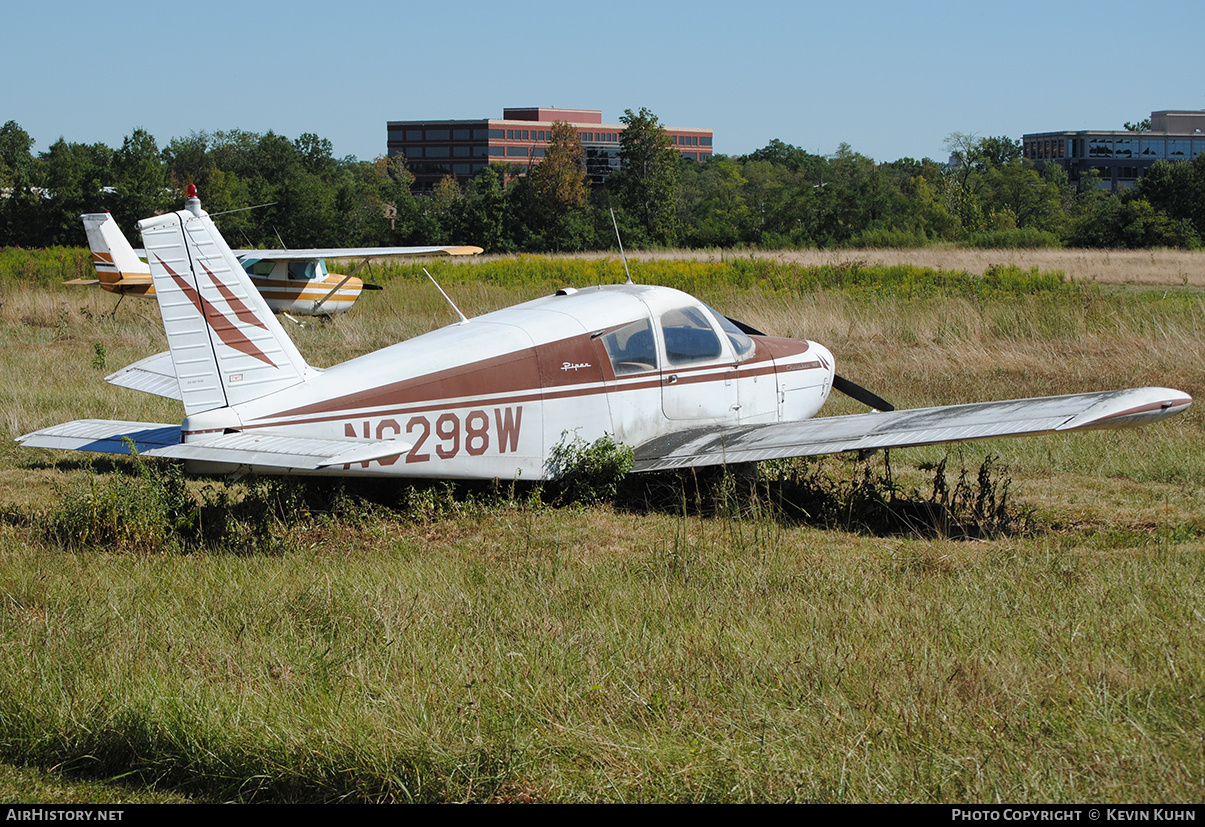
273, 191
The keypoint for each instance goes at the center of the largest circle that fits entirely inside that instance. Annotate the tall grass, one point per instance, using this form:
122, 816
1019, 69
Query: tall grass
45, 267
413, 645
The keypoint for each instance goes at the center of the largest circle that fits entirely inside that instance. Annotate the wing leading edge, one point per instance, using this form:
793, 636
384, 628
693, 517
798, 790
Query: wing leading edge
355, 252
901, 429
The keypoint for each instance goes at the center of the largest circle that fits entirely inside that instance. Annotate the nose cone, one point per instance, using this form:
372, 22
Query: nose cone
825, 356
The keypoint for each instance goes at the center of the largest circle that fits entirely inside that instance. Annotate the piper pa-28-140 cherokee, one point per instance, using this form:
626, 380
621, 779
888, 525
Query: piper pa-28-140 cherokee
490, 397
291, 281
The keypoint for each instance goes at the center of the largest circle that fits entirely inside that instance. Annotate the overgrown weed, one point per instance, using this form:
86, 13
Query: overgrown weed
860, 495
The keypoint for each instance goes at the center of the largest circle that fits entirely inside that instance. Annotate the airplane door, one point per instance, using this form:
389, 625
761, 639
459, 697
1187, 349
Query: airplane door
699, 374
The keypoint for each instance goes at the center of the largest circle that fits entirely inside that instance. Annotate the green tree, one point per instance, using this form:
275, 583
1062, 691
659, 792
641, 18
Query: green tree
646, 185
140, 179
556, 191
1177, 189
714, 212
484, 209
75, 179
18, 202
1132, 223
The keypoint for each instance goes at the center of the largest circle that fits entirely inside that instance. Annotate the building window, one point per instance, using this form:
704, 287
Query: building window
437, 152
460, 134
438, 134
495, 133
496, 150
516, 151
414, 134
460, 151
538, 152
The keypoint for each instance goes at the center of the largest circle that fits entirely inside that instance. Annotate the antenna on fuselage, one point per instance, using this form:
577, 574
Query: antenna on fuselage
244, 209
620, 240
463, 318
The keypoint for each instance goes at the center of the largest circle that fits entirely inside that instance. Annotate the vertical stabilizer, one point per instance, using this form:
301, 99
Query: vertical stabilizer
112, 255
226, 346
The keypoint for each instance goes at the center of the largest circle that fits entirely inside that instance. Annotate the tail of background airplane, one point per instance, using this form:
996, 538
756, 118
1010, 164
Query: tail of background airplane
112, 255
226, 346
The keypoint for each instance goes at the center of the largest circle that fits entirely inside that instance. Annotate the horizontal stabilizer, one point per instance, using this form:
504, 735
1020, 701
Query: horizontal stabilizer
154, 374
284, 452
900, 429
155, 439
106, 436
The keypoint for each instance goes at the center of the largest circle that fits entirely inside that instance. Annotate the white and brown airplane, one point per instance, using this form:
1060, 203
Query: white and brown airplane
492, 396
295, 282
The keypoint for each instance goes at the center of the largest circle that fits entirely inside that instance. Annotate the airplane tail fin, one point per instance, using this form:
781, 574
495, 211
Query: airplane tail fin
226, 346
112, 255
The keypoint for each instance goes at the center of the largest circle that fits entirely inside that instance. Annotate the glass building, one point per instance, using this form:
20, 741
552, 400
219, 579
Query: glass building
1121, 157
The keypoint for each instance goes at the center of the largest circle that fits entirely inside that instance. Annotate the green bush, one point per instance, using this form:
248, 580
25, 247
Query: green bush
589, 474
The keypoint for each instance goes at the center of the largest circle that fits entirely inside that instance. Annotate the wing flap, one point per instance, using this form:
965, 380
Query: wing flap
901, 429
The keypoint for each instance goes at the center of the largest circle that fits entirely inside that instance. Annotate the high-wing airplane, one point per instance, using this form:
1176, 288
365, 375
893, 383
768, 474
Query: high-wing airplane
490, 397
291, 281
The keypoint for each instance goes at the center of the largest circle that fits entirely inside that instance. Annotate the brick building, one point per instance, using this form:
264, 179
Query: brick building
462, 148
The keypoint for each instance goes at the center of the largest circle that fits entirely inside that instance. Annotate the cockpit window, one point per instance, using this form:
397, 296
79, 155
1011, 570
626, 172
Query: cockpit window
741, 343
631, 348
259, 267
688, 337
302, 270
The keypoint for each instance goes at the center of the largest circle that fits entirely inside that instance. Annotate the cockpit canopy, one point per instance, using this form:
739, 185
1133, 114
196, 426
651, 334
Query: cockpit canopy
689, 334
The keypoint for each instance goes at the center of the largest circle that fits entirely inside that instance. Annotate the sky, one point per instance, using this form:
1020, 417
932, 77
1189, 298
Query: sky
891, 79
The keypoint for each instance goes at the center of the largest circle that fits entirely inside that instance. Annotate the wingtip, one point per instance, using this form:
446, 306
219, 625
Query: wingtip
1124, 409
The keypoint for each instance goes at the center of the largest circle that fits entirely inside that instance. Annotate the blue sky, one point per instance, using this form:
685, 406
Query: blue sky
890, 79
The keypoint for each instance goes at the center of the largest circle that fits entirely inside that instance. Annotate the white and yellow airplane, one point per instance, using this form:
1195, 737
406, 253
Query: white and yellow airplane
294, 282
493, 396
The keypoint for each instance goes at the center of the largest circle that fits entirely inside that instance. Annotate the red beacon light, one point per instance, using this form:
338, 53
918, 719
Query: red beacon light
192, 191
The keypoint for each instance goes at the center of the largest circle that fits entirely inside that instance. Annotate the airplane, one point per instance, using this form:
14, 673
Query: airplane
294, 282
493, 396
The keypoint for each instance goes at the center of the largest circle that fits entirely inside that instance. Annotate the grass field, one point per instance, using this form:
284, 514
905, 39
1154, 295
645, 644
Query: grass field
382, 643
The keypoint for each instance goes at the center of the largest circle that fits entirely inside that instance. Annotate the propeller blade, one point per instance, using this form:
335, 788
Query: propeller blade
855, 391
850, 389
368, 286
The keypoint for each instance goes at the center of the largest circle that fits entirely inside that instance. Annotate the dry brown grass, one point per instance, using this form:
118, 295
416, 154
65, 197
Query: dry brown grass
1144, 267
516, 652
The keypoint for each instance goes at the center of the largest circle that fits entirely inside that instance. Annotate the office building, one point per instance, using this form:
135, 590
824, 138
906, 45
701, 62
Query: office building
1121, 157
462, 148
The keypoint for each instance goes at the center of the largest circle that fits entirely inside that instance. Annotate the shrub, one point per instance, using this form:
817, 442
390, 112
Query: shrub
589, 474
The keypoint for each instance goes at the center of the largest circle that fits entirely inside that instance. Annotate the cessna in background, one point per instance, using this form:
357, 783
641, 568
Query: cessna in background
492, 396
294, 282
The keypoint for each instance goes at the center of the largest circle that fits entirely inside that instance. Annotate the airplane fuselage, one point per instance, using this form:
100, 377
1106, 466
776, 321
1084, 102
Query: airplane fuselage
490, 397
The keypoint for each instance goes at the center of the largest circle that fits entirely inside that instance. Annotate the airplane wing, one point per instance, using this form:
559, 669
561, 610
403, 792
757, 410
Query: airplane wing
356, 252
899, 429
156, 439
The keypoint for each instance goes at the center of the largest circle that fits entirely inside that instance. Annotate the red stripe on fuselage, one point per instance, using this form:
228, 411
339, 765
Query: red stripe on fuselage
528, 375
